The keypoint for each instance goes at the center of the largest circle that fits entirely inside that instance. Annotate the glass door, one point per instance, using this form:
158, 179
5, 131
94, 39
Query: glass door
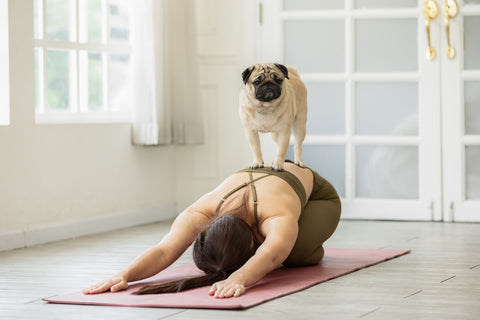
374, 109
461, 113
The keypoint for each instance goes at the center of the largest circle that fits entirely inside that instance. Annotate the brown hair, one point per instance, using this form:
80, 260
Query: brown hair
219, 250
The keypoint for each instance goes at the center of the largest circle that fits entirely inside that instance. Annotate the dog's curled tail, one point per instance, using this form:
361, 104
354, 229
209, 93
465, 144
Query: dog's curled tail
293, 71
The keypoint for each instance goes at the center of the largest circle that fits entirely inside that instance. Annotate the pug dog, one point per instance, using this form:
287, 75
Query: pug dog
273, 99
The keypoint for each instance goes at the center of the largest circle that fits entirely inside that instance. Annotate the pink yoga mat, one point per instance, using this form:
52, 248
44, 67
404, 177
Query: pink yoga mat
278, 283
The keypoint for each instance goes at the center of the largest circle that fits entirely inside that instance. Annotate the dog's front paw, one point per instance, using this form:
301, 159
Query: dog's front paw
256, 165
301, 164
277, 166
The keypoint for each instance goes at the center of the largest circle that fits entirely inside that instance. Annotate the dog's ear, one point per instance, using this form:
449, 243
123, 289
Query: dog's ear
246, 74
283, 69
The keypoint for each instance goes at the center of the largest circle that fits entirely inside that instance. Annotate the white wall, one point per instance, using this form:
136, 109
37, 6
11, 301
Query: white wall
59, 181
4, 95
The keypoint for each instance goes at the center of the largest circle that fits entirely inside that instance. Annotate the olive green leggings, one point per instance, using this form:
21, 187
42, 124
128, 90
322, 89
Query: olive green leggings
316, 224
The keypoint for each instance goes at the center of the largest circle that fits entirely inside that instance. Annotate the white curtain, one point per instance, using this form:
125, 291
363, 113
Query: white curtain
166, 90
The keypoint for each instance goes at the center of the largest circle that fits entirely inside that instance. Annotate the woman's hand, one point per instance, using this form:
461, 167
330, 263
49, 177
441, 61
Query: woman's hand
227, 288
114, 284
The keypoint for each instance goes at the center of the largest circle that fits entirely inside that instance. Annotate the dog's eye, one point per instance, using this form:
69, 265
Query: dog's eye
276, 79
256, 82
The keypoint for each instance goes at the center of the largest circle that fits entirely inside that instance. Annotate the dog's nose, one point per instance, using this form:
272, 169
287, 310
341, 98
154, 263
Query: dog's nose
268, 92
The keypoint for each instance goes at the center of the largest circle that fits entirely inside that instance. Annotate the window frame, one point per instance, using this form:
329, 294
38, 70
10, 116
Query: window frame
78, 109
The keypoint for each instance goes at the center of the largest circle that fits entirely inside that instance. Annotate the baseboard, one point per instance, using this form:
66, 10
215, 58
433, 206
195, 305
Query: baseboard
73, 229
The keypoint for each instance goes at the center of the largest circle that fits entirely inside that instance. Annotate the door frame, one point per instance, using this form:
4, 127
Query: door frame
457, 207
428, 206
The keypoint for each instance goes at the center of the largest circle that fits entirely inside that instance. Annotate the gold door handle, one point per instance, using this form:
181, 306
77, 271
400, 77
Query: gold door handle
449, 10
430, 12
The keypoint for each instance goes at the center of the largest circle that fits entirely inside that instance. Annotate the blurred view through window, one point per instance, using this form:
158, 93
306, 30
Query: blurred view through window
82, 58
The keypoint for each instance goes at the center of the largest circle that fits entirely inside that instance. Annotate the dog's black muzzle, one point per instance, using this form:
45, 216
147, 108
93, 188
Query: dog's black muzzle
268, 91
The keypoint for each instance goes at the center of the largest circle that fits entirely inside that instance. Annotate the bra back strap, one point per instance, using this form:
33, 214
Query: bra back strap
243, 185
255, 202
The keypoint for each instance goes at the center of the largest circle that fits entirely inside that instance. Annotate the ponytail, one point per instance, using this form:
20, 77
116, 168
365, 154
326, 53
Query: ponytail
183, 284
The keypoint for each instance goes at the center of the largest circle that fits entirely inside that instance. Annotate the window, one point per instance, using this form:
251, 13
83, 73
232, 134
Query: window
4, 69
82, 60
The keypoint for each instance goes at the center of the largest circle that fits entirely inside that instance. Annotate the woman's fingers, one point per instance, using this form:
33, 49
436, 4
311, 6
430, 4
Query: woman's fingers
220, 293
119, 286
115, 284
99, 287
213, 289
239, 291
228, 293
221, 290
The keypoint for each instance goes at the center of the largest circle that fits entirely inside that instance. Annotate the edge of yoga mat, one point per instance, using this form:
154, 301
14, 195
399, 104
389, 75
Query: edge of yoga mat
278, 283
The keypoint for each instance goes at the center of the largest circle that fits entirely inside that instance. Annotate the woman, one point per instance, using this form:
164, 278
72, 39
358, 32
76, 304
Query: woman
254, 221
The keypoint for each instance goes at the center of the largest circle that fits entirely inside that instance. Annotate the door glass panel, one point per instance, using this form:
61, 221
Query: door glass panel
386, 108
472, 107
328, 161
326, 108
323, 54
386, 45
472, 168
312, 4
387, 172
385, 3
471, 42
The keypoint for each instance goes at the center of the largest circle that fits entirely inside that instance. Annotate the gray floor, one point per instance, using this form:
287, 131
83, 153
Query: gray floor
439, 279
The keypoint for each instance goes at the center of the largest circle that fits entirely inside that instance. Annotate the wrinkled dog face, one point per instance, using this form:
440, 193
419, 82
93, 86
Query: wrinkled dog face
265, 80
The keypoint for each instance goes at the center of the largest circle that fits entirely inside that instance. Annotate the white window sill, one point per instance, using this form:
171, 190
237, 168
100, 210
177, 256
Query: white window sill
82, 118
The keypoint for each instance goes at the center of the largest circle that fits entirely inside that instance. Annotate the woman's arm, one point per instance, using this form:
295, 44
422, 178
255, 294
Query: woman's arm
281, 234
183, 232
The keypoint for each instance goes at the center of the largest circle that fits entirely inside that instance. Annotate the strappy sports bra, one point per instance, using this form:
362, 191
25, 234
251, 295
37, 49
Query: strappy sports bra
288, 177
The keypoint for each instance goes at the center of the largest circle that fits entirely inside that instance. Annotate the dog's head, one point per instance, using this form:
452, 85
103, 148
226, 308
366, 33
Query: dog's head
264, 81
